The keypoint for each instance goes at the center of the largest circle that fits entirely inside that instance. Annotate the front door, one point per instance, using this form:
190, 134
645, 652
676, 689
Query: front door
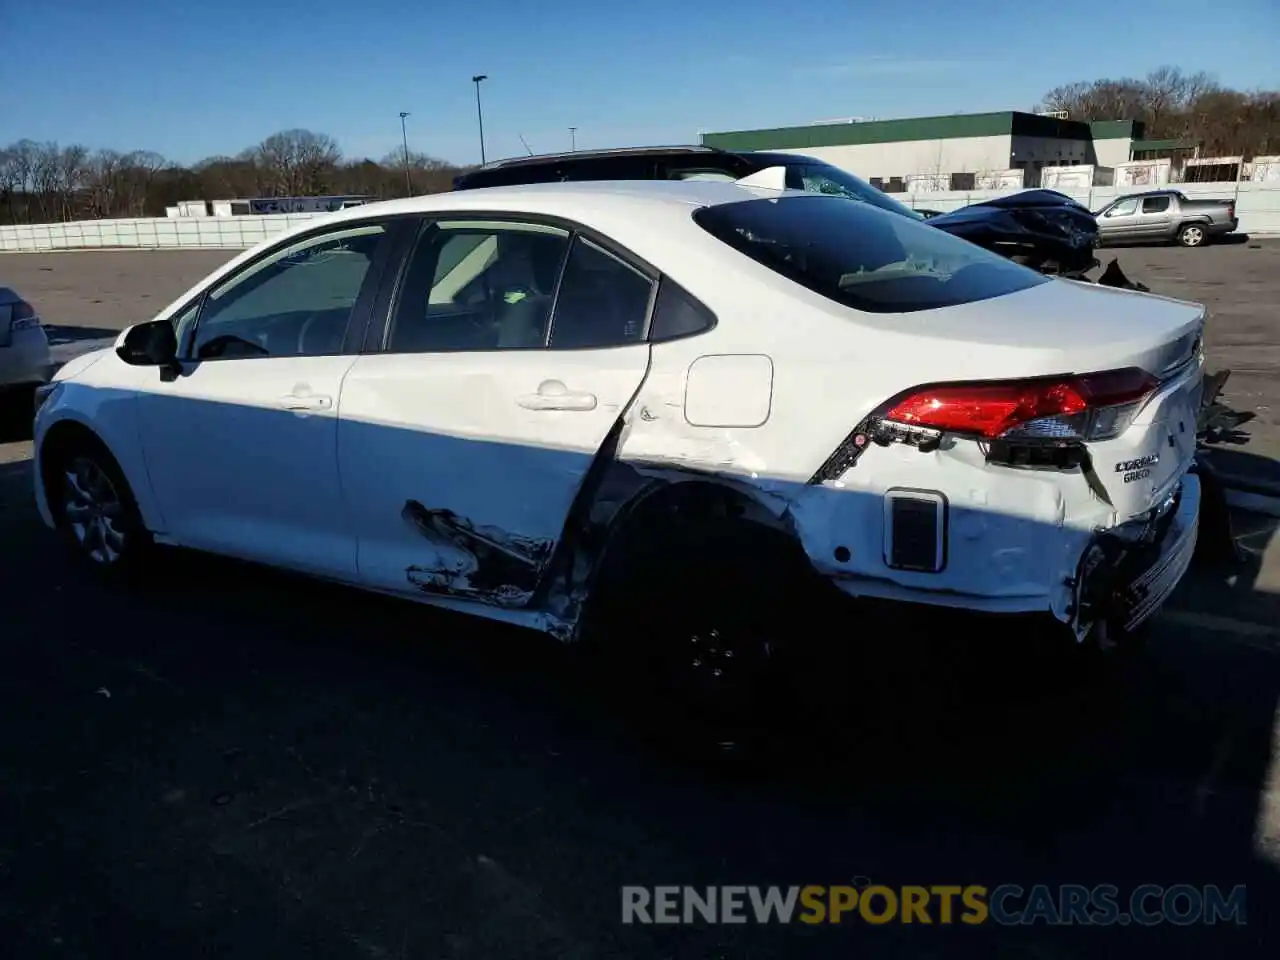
512, 351
241, 445
1120, 221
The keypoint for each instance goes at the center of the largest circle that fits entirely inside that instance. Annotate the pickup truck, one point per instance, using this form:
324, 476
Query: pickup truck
1165, 215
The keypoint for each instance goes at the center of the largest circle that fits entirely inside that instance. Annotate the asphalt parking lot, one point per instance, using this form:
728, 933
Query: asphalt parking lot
228, 762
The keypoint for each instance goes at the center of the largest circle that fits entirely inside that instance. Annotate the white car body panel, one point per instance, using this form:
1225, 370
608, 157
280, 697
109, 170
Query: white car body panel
26, 358
241, 458
502, 439
332, 491
100, 392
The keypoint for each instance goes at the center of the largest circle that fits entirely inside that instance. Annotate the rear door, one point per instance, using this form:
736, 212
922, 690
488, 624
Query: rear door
1154, 217
512, 349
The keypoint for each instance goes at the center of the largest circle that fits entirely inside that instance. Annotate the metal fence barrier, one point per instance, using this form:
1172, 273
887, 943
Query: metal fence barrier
1257, 206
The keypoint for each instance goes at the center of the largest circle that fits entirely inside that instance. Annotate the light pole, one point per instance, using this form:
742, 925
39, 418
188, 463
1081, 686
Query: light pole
480, 113
573, 139
404, 135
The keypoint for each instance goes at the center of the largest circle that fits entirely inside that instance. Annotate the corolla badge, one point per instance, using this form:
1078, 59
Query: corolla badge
1138, 469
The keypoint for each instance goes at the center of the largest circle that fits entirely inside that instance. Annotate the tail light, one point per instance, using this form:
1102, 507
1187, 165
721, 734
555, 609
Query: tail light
1231, 210
1089, 407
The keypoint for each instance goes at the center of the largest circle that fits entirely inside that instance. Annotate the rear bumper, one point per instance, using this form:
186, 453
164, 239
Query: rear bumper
1221, 229
1125, 576
26, 359
999, 563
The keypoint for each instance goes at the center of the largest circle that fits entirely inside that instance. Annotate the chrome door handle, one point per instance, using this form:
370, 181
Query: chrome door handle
306, 403
554, 395
567, 401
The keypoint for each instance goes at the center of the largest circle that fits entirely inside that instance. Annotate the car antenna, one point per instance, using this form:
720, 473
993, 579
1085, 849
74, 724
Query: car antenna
526, 146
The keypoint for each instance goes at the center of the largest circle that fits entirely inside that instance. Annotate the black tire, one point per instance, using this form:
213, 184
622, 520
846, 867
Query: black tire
1193, 235
94, 508
691, 627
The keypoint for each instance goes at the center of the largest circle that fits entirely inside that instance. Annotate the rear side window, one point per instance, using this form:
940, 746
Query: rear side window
863, 257
1155, 204
677, 314
602, 302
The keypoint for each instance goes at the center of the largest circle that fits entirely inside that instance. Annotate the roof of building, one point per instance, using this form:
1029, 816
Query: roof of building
536, 158
954, 126
1141, 145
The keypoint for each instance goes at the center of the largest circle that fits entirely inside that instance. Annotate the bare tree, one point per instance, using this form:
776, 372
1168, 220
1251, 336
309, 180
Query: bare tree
41, 182
72, 169
10, 181
46, 175
103, 181
1175, 104
298, 162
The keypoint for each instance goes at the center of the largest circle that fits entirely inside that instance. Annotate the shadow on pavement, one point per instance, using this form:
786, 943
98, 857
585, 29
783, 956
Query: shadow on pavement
228, 760
17, 410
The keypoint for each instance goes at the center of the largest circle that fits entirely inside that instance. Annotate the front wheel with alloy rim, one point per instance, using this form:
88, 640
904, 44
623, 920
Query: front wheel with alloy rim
95, 509
1191, 236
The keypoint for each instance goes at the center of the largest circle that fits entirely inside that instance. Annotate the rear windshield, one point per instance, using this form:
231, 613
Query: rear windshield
814, 177
863, 257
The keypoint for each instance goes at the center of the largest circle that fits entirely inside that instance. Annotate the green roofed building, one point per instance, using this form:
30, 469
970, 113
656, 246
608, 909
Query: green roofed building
957, 146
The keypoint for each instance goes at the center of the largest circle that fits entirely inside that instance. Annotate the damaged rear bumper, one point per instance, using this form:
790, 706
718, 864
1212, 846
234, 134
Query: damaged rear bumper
1126, 574
1000, 564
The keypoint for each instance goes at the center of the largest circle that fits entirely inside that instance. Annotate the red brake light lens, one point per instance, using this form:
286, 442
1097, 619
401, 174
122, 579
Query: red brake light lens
1095, 406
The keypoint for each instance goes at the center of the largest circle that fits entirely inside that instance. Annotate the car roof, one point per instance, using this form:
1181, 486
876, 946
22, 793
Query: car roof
584, 155
577, 200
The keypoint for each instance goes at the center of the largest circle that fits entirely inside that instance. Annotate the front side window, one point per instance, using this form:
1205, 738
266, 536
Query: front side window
1124, 208
478, 285
863, 257
295, 302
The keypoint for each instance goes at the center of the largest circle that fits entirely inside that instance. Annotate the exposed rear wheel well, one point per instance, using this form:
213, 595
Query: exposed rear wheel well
676, 516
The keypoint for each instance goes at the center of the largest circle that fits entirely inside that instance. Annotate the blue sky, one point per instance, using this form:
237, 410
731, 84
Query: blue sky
190, 80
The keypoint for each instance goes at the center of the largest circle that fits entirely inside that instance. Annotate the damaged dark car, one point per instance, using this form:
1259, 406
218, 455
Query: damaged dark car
1042, 229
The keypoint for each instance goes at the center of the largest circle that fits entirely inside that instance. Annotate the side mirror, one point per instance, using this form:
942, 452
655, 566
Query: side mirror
152, 344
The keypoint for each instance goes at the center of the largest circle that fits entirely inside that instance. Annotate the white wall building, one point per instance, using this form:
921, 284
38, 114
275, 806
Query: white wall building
961, 147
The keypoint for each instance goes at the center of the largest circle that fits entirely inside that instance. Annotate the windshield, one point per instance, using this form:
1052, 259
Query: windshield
823, 178
862, 257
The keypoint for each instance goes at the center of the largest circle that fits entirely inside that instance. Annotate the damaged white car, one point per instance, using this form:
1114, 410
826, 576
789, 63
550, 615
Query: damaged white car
687, 398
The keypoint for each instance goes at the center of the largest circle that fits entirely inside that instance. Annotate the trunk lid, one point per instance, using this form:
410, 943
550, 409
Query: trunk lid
1071, 327
1062, 326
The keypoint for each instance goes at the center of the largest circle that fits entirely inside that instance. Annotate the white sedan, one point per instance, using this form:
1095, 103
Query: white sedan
687, 398
24, 348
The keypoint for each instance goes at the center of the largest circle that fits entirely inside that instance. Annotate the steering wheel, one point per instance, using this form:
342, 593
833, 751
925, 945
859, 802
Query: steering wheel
307, 325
